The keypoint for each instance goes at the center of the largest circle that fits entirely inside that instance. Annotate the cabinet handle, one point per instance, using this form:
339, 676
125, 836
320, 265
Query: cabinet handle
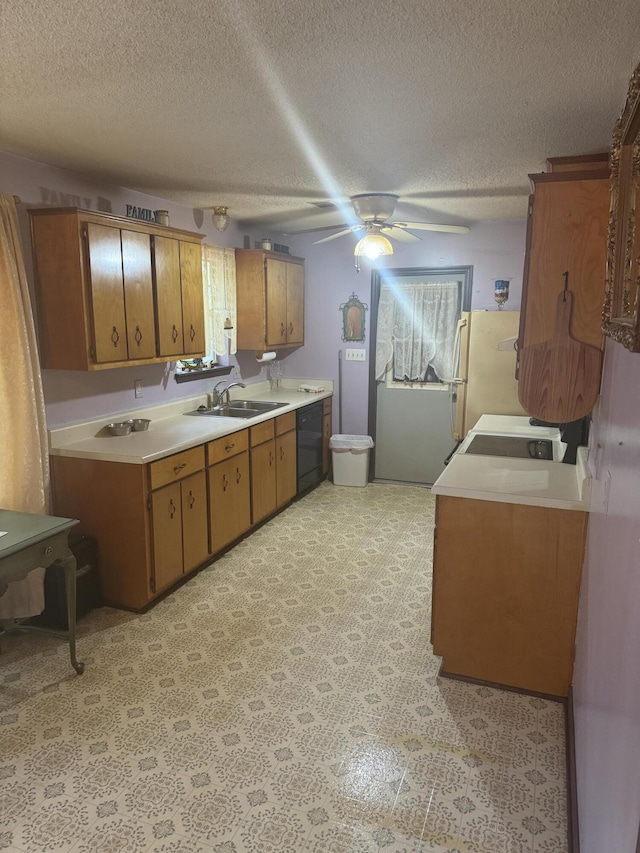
192, 331
172, 508
291, 328
174, 334
270, 459
281, 453
192, 500
115, 337
283, 329
229, 447
225, 482
177, 468
138, 335
238, 475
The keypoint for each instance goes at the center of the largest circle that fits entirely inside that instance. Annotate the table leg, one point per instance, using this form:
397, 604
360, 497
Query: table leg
70, 569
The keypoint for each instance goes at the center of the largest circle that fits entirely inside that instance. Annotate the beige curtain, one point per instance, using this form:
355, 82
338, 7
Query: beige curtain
219, 278
24, 470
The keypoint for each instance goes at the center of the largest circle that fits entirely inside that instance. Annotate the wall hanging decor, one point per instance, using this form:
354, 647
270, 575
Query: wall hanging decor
501, 291
621, 309
353, 318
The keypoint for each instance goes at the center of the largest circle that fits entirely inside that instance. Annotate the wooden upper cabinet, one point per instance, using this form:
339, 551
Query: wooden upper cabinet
113, 291
276, 302
295, 304
270, 300
138, 294
107, 293
192, 300
566, 233
166, 256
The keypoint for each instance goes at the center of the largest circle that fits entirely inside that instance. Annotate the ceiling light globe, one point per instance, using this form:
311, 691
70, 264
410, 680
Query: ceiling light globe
220, 218
373, 246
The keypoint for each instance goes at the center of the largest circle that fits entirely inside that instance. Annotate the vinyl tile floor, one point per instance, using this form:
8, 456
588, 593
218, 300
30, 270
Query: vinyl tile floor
285, 699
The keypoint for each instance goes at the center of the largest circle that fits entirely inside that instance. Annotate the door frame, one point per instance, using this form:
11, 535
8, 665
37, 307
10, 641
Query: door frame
463, 273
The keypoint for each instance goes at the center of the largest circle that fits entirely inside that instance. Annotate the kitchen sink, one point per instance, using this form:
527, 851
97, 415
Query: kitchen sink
255, 404
236, 409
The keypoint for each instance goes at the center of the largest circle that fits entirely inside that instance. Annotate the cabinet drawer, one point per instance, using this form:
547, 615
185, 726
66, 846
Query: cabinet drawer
285, 423
326, 405
260, 433
224, 448
176, 467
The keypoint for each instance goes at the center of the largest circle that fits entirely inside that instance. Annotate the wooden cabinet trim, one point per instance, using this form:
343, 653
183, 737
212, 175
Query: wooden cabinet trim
176, 467
119, 222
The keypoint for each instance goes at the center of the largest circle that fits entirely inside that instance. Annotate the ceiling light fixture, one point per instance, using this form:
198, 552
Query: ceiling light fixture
373, 245
220, 218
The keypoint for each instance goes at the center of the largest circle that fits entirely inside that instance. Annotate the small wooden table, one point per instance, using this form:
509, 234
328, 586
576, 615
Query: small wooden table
30, 541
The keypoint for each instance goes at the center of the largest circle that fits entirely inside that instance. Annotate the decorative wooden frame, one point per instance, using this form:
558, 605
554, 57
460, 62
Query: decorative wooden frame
353, 319
621, 309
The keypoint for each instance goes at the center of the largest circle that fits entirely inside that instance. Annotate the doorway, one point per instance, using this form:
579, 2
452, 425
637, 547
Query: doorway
411, 406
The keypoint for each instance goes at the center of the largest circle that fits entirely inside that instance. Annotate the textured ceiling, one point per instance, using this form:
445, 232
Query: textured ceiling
269, 105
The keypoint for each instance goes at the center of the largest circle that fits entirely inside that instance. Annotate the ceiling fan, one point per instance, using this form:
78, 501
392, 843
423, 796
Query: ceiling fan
374, 211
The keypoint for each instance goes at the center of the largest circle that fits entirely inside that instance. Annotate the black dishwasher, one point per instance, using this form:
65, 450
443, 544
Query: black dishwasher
309, 449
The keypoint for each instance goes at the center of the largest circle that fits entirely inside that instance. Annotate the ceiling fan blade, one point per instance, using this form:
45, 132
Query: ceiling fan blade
399, 234
338, 234
430, 226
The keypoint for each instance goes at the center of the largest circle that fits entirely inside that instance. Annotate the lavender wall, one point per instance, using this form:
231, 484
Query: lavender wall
607, 674
494, 248
71, 395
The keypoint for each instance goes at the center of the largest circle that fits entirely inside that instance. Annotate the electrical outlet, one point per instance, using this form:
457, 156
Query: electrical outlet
356, 355
235, 374
137, 388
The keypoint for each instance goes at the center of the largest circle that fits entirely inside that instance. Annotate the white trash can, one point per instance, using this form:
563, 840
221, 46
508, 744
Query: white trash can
350, 458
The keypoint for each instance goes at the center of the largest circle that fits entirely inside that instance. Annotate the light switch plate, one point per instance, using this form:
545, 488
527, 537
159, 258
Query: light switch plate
356, 355
137, 388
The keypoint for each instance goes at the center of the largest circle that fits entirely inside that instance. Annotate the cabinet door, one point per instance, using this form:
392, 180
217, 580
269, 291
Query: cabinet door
192, 297
229, 500
195, 536
166, 512
138, 294
276, 302
263, 480
168, 296
286, 482
295, 303
107, 293
326, 435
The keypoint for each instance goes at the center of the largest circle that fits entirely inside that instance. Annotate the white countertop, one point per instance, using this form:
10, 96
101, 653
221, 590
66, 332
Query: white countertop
170, 431
534, 482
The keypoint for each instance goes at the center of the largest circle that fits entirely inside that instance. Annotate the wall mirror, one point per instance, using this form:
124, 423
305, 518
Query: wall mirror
620, 313
353, 319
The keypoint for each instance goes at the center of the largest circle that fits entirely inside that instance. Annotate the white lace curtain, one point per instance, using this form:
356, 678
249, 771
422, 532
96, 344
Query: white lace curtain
416, 329
24, 470
219, 279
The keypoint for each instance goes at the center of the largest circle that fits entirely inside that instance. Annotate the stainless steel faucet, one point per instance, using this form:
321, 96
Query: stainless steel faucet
216, 396
225, 392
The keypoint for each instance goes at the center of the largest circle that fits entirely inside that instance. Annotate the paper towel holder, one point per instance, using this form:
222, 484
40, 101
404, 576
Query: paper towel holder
264, 357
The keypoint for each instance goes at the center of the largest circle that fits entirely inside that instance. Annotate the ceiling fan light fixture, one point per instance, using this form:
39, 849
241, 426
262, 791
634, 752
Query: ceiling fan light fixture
220, 218
373, 246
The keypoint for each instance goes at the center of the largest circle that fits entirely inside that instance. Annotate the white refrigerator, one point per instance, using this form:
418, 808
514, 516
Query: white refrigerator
486, 381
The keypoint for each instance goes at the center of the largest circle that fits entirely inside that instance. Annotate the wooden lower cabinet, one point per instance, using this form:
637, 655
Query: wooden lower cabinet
263, 480
286, 469
506, 579
179, 523
229, 500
